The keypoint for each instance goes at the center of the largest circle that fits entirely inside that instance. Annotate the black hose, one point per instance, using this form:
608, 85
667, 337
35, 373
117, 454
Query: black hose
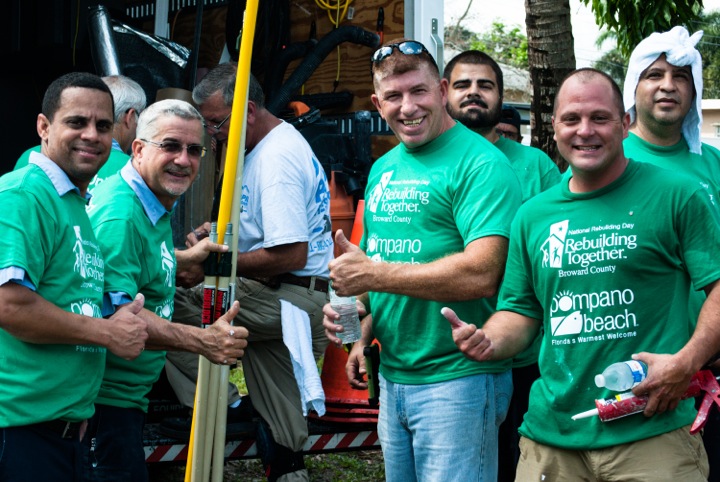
277, 68
344, 33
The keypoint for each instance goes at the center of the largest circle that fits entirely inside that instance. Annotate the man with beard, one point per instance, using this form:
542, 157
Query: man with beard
475, 97
435, 231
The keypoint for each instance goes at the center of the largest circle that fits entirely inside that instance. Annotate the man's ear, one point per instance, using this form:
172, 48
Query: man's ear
251, 111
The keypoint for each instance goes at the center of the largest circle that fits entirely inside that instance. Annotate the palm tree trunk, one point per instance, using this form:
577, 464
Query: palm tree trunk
551, 56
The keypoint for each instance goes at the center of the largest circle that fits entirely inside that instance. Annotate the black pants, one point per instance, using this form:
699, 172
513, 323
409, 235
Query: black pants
114, 445
30, 454
508, 436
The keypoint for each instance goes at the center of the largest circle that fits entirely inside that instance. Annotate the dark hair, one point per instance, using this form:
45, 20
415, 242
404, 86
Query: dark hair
398, 63
221, 78
476, 57
85, 80
510, 115
586, 74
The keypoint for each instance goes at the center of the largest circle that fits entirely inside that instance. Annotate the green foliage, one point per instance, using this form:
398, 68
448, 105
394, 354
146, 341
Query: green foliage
614, 64
633, 20
708, 47
507, 45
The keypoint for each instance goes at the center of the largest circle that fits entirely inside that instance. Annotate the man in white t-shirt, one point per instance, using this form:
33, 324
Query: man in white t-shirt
284, 247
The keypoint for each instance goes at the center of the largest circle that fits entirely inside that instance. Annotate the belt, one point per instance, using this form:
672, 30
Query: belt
273, 282
63, 428
305, 281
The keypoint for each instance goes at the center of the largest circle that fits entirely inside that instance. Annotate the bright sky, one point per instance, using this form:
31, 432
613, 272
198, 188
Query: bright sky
512, 12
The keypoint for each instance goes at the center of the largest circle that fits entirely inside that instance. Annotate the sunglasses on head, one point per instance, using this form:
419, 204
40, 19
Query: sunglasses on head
173, 147
409, 47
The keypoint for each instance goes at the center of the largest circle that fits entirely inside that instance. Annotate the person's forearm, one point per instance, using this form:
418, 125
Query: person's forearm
29, 317
705, 341
448, 279
272, 261
165, 335
510, 333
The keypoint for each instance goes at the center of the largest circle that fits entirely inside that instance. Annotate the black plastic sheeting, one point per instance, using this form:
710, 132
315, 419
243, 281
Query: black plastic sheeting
155, 63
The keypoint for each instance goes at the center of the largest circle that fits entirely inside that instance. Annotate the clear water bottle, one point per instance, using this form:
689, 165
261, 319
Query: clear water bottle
622, 376
347, 309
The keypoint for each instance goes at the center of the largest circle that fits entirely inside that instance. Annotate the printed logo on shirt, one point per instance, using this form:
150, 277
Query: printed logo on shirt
579, 314
86, 307
380, 249
587, 251
168, 264
165, 309
397, 201
89, 264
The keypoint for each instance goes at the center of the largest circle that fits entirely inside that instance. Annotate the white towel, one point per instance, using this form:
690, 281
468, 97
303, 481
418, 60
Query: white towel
298, 339
679, 49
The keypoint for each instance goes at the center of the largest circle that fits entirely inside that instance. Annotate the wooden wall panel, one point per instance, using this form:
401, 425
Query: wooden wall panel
354, 59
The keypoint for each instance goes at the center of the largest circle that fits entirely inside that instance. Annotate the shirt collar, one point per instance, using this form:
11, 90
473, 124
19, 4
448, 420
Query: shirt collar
154, 209
61, 182
116, 145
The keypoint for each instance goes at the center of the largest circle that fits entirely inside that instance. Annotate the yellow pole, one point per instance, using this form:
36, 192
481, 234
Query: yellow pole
232, 191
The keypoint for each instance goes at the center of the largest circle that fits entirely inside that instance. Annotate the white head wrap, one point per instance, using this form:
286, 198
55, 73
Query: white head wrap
679, 49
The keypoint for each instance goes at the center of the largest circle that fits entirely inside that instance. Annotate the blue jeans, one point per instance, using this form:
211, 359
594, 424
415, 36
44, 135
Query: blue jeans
445, 431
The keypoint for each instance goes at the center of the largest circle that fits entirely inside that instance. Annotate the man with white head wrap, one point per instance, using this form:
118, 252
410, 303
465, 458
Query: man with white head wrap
663, 95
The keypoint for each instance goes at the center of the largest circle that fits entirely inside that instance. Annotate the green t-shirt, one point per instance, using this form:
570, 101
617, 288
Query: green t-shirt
537, 173
113, 165
50, 237
424, 204
535, 170
679, 159
139, 259
609, 274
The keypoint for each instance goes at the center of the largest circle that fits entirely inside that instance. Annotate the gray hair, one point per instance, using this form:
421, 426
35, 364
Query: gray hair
127, 95
147, 123
221, 78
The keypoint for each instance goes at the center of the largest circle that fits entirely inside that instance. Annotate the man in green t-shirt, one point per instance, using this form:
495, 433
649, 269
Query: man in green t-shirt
53, 338
663, 95
438, 208
130, 214
604, 262
129, 100
475, 96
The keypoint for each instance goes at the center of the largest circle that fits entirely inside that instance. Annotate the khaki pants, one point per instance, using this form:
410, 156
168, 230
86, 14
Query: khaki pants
670, 457
267, 365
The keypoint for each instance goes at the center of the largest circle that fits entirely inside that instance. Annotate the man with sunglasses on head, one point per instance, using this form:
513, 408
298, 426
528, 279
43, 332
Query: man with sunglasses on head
129, 98
436, 226
284, 247
475, 96
130, 214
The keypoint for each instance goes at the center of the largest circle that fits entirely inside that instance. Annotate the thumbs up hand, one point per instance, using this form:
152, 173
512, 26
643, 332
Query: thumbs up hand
352, 272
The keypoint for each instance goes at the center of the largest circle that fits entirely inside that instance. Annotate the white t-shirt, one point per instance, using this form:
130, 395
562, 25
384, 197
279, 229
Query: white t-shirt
286, 199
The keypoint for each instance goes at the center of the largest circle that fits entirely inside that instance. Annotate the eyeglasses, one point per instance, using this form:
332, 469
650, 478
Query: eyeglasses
222, 123
409, 47
172, 147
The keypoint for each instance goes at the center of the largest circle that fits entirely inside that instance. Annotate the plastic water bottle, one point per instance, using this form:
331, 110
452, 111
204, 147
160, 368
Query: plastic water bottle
622, 376
347, 309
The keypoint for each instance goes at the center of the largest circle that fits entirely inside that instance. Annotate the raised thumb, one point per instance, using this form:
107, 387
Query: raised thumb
342, 242
137, 304
452, 317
